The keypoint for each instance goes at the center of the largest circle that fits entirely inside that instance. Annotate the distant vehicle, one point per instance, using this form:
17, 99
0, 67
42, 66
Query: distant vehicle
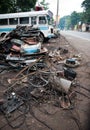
40, 19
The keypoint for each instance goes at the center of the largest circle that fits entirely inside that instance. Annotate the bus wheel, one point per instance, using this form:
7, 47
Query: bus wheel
41, 38
3, 34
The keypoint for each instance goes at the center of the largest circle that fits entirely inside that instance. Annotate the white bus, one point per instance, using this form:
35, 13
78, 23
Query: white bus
40, 19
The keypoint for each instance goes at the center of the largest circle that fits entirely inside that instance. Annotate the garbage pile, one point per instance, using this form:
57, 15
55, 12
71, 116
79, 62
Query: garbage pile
17, 46
34, 78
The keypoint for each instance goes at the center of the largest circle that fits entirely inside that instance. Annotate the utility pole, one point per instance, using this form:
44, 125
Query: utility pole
57, 13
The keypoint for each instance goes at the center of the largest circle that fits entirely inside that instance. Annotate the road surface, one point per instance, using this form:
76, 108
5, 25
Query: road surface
81, 35
80, 41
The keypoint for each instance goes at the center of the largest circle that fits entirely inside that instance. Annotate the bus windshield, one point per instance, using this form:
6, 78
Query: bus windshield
50, 20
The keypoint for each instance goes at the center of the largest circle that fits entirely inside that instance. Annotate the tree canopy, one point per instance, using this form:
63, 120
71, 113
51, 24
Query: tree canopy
69, 22
86, 13
75, 18
63, 22
11, 6
26, 5
44, 4
5, 6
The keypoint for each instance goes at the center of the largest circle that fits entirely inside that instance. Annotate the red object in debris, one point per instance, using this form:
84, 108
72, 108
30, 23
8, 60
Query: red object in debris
38, 8
16, 48
30, 41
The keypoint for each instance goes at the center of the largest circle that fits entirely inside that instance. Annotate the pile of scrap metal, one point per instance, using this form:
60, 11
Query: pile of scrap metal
22, 48
56, 55
43, 84
17, 46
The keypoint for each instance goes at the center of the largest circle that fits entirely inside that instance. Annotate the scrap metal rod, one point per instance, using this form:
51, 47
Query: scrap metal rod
25, 69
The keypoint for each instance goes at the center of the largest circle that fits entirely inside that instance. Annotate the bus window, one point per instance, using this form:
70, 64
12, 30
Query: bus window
33, 20
50, 20
13, 21
42, 20
24, 20
3, 21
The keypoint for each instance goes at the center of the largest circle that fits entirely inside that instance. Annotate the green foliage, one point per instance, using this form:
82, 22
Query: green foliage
11, 6
25, 5
45, 5
5, 6
64, 22
86, 4
69, 22
75, 18
86, 13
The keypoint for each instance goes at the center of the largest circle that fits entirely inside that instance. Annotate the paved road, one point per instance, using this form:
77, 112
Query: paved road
81, 35
79, 40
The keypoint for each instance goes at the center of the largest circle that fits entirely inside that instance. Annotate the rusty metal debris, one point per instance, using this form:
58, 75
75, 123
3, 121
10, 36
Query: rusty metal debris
19, 47
57, 55
11, 103
34, 79
72, 62
69, 73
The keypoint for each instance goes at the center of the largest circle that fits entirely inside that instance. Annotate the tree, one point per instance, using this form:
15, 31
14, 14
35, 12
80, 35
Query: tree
68, 22
62, 23
26, 5
5, 6
65, 22
86, 13
45, 5
75, 18
12, 6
